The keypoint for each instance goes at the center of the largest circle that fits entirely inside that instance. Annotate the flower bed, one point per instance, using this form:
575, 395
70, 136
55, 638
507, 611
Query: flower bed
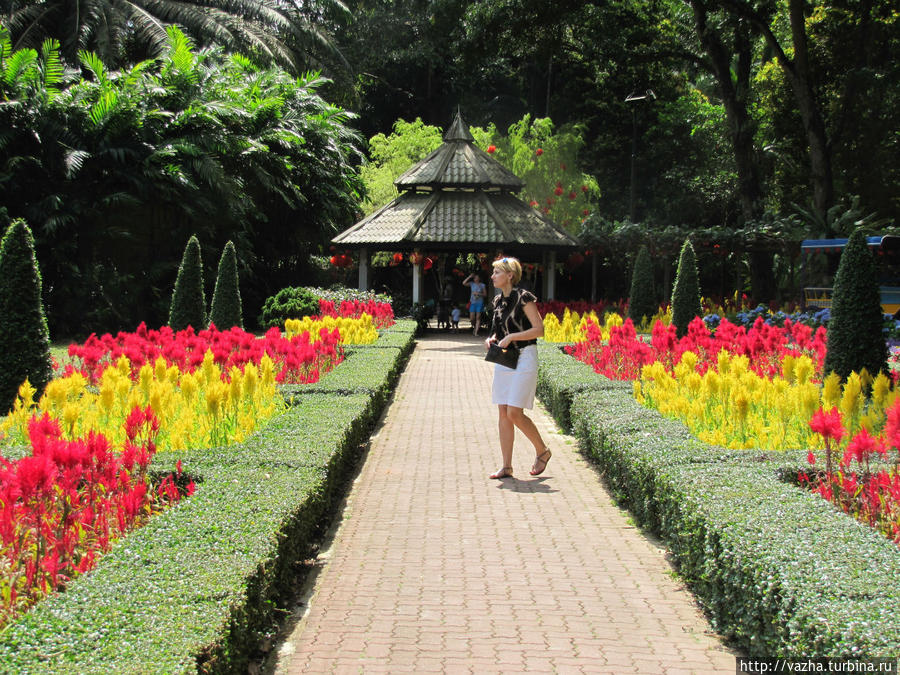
297, 359
197, 587
69, 501
778, 569
623, 354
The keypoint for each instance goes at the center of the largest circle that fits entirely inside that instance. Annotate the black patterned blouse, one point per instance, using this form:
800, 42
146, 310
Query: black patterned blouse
509, 314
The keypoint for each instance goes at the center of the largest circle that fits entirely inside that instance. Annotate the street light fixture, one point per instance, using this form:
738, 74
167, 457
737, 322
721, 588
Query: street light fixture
648, 94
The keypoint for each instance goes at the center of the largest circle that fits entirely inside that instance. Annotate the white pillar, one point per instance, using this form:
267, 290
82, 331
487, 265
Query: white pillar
417, 284
551, 275
363, 269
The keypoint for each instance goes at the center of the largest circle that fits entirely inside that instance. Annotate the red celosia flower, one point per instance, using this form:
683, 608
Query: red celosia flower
532, 203
492, 149
558, 190
584, 188
539, 152
572, 195
829, 424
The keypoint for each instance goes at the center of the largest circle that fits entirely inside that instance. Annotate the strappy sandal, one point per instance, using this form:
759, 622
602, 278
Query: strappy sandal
505, 472
541, 462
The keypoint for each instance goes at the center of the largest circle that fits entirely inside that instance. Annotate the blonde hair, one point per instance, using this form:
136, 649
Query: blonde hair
511, 266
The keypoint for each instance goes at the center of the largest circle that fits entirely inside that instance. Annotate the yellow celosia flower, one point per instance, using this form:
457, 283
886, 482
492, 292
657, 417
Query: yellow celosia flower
831, 391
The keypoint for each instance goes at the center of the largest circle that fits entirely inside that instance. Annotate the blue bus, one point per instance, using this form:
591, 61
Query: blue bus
886, 249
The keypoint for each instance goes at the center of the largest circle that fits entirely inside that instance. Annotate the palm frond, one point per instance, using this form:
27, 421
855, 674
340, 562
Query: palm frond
101, 111
51, 66
94, 64
74, 160
18, 65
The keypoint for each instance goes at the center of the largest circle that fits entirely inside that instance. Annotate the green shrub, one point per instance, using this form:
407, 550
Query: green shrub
24, 337
560, 378
642, 299
337, 294
225, 311
188, 299
855, 339
686, 290
288, 303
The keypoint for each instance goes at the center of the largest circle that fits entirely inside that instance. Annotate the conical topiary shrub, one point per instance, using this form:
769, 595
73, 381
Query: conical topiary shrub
24, 337
188, 301
686, 291
642, 299
225, 310
855, 340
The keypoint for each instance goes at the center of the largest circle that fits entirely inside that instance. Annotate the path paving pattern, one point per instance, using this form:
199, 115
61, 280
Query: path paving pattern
436, 568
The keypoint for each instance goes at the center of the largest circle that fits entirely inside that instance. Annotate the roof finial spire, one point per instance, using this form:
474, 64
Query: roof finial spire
458, 130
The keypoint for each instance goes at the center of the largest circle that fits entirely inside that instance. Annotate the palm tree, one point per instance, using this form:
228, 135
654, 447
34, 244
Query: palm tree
293, 35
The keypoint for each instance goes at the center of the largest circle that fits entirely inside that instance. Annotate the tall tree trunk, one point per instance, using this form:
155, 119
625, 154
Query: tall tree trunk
797, 70
813, 123
734, 88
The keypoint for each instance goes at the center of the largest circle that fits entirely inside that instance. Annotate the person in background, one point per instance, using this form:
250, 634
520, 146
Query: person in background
454, 319
516, 322
476, 299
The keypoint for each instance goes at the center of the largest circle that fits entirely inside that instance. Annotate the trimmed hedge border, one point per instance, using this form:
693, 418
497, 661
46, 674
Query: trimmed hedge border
196, 588
779, 570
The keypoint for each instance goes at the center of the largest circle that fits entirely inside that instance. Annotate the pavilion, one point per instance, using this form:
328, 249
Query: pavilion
459, 199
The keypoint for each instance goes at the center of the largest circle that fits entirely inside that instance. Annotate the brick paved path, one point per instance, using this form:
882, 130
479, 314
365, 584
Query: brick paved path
437, 568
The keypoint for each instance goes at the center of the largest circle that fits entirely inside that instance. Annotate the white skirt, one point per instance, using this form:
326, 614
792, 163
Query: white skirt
516, 387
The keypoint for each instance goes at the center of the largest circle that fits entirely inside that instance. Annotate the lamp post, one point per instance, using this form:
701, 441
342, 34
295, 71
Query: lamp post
628, 99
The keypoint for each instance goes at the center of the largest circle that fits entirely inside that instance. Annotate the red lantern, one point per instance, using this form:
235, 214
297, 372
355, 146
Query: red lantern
398, 258
415, 258
539, 152
428, 263
333, 260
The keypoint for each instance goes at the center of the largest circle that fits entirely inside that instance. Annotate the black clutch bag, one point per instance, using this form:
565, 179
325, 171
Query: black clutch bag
508, 357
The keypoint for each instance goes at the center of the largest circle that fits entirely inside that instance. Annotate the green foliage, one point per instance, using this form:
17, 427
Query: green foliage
199, 586
390, 156
188, 306
292, 36
121, 163
686, 290
855, 339
24, 338
777, 569
225, 310
288, 303
642, 298
546, 159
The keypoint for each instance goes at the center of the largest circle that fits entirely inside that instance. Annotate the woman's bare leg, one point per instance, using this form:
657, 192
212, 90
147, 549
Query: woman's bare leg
518, 417
507, 435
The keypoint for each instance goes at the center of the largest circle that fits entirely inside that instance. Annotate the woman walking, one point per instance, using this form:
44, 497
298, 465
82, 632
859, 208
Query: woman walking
516, 322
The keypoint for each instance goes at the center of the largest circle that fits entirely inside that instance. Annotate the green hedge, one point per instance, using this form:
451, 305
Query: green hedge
779, 570
196, 588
